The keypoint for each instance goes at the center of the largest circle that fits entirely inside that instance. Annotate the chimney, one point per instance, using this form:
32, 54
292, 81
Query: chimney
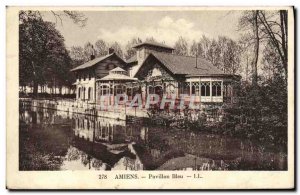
93, 53
111, 50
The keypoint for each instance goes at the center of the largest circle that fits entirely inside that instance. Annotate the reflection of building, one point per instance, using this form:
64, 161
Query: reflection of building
187, 162
107, 140
158, 71
107, 130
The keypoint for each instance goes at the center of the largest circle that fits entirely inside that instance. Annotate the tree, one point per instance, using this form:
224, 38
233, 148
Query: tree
223, 53
249, 22
230, 55
129, 51
272, 63
101, 48
77, 55
88, 51
77, 17
274, 27
214, 53
43, 58
117, 49
150, 40
196, 49
181, 47
205, 44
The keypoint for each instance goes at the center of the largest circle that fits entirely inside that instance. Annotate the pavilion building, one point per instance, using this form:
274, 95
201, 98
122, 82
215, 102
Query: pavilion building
154, 69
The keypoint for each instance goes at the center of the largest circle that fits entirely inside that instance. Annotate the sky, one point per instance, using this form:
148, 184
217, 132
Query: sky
167, 26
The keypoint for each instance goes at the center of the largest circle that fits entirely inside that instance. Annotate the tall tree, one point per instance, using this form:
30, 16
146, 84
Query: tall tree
88, 51
274, 27
77, 55
117, 49
250, 22
41, 51
196, 49
181, 47
101, 48
129, 51
214, 53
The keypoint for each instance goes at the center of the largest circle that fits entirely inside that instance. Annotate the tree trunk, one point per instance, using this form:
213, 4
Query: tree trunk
256, 47
284, 37
35, 89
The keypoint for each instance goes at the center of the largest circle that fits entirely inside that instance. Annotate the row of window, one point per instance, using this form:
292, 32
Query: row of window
84, 77
119, 89
82, 93
215, 89
207, 89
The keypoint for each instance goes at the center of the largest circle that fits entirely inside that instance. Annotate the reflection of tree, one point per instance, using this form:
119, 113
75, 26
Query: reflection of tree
85, 159
96, 163
128, 163
73, 154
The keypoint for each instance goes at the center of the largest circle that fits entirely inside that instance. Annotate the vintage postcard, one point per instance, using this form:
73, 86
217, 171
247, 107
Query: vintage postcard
150, 98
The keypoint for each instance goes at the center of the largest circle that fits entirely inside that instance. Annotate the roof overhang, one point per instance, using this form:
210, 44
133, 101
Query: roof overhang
214, 75
93, 62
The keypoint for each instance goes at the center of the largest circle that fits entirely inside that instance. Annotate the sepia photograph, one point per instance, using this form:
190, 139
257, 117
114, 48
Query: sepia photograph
160, 90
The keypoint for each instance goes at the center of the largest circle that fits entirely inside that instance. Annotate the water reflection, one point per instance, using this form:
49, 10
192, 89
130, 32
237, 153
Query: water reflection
53, 140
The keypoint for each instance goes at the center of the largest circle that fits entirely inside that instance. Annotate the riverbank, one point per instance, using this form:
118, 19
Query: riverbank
80, 107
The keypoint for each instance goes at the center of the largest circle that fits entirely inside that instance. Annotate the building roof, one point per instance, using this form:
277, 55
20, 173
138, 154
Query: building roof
117, 74
186, 65
153, 44
132, 59
94, 62
117, 77
118, 69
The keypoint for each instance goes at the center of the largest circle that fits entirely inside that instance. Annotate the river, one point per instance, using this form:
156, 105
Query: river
56, 140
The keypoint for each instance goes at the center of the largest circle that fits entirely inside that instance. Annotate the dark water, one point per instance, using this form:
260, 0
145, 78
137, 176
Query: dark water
54, 140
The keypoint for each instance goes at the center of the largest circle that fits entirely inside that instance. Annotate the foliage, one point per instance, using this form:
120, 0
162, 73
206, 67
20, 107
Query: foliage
77, 55
128, 48
181, 47
261, 113
117, 49
223, 52
43, 57
101, 48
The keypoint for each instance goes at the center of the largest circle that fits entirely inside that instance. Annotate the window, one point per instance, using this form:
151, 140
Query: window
216, 88
205, 88
104, 90
90, 93
195, 88
83, 94
186, 88
119, 89
170, 89
79, 92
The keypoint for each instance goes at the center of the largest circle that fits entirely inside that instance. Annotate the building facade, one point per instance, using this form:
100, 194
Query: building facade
154, 69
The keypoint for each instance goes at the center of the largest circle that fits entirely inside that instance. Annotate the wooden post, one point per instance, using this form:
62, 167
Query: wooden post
113, 93
222, 88
190, 88
210, 89
199, 90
